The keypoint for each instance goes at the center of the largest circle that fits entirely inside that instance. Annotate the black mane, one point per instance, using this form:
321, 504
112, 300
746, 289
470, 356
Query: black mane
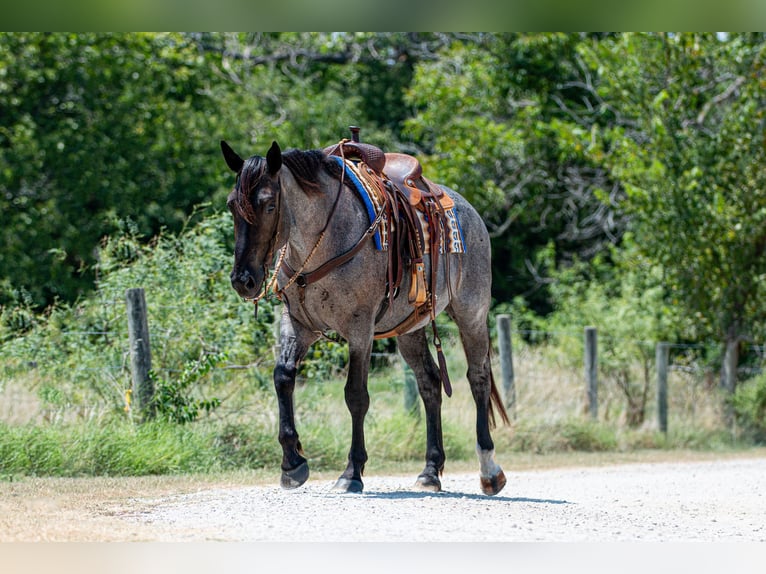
305, 166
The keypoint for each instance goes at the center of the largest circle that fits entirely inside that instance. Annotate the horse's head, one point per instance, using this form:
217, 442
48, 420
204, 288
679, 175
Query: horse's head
254, 205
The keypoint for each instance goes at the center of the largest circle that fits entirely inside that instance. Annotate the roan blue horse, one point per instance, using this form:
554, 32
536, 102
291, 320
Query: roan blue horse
333, 274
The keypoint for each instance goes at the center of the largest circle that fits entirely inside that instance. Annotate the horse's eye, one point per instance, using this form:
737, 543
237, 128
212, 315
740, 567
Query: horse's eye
270, 208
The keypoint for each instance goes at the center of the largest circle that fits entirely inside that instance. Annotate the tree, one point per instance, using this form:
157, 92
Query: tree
307, 88
689, 149
505, 119
94, 128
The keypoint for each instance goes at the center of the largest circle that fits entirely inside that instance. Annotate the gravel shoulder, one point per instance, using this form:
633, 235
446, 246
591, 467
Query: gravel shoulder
710, 501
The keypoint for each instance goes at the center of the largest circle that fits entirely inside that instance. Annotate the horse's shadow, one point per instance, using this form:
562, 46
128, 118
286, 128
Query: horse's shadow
411, 495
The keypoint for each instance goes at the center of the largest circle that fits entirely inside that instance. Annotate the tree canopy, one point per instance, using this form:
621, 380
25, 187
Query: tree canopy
96, 128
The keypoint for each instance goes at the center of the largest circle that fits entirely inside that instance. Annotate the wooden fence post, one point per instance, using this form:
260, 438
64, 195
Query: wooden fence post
505, 348
729, 367
591, 370
661, 358
140, 352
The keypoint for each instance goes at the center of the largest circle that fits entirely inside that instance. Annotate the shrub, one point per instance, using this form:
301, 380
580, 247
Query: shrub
749, 404
78, 352
174, 398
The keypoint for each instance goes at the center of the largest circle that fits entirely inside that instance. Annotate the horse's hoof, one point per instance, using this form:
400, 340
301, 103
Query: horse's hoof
295, 477
428, 483
494, 484
348, 485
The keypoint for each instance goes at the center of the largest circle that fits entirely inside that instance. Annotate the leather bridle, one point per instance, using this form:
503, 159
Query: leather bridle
298, 276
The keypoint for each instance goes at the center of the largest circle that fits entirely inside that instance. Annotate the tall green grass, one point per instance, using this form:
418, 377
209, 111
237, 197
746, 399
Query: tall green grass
120, 447
115, 448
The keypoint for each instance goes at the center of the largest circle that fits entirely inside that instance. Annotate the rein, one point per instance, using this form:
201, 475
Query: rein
304, 279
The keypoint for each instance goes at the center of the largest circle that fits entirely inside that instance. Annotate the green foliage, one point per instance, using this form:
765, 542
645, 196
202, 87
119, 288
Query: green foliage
692, 164
506, 121
78, 351
624, 299
309, 88
173, 399
94, 126
325, 359
568, 435
749, 403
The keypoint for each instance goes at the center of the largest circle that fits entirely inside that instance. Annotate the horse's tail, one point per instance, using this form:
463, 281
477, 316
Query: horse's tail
495, 400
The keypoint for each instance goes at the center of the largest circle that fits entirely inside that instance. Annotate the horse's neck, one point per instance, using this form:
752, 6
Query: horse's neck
307, 215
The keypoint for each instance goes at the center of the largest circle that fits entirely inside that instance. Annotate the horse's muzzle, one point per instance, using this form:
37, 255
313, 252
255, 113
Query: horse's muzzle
245, 284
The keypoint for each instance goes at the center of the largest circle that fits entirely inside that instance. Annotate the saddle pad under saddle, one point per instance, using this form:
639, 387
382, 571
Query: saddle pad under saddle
371, 195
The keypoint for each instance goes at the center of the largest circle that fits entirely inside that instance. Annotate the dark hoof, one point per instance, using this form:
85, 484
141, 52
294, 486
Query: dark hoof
295, 477
348, 485
493, 485
428, 483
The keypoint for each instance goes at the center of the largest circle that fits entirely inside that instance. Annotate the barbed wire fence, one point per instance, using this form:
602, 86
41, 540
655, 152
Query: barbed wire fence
33, 373
526, 376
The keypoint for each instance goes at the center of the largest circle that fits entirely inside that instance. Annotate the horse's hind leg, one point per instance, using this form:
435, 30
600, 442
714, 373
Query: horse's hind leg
414, 349
294, 342
475, 338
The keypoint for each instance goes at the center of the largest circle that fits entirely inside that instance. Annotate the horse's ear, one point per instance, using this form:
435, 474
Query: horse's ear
234, 162
274, 158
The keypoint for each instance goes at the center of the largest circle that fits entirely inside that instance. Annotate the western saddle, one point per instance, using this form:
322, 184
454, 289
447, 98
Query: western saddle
406, 191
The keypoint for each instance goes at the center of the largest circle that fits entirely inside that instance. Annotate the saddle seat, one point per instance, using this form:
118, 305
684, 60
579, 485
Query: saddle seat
406, 173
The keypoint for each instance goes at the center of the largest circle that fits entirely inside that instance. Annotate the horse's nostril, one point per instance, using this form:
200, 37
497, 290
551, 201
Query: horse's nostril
242, 281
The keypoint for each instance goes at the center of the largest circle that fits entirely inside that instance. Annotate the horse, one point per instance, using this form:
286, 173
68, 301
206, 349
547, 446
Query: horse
298, 204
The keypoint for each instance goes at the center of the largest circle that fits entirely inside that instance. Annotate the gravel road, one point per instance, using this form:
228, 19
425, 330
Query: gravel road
691, 501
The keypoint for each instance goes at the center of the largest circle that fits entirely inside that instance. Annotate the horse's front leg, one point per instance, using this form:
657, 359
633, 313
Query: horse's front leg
294, 342
358, 402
